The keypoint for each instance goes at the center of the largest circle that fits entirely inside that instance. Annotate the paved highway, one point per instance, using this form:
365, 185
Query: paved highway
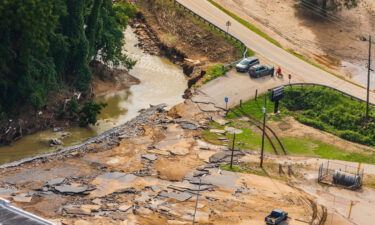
271, 54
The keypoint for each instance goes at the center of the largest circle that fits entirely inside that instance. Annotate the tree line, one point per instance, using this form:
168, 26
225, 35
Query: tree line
46, 44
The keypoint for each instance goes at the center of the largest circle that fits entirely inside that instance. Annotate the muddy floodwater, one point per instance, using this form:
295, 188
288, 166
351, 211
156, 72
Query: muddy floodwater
161, 82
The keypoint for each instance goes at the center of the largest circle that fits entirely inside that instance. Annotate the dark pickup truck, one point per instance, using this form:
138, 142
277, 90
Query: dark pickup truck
276, 217
261, 71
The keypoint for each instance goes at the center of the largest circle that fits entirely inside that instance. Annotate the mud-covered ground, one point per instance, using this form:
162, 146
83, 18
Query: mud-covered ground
152, 177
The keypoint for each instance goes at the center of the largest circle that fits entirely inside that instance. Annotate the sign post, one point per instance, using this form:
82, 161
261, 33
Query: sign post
276, 95
228, 24
226, 100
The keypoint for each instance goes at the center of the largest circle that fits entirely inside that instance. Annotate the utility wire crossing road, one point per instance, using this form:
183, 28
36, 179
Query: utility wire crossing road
301, 70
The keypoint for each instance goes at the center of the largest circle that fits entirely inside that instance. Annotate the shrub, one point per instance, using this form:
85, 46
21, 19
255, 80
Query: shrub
331, 111
89, 112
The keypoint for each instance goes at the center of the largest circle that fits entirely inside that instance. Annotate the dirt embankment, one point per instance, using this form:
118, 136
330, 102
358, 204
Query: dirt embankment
55, 112
166, 30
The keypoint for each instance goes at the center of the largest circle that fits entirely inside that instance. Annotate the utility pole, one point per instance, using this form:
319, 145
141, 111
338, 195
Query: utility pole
196, 201
264, 130
368, 78
231, 158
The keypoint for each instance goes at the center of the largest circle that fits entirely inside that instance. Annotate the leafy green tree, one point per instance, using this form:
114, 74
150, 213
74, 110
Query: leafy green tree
26, 73
89, 112
45, 43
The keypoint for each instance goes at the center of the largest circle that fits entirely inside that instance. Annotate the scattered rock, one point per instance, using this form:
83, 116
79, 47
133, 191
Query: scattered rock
222, 139
151, 157
188, 126
220, 120
217, 131
55, 142
362, 38
233, 130
125, 207
57, 129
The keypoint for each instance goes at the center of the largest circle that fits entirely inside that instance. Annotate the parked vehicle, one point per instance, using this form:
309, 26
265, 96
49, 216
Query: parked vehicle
276, 217
246, 63
261, 70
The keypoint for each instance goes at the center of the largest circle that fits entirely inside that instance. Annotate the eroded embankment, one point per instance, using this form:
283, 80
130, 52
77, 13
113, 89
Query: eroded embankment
106, 140
150, 177
164, 29
56, 112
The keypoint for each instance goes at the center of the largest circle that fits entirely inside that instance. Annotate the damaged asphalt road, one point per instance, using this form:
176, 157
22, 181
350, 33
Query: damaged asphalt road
150, 175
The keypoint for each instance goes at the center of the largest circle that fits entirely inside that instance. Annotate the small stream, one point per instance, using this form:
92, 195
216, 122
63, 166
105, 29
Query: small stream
161, 82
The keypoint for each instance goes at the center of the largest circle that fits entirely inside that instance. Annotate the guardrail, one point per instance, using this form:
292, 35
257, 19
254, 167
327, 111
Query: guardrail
325, 86
215, 27
4, 204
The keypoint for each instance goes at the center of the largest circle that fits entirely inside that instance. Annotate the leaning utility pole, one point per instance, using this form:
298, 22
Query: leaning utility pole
264, 130
368, 78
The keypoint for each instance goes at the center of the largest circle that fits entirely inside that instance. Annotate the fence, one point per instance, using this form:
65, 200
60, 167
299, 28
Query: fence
215, 27
350, 177
325, 86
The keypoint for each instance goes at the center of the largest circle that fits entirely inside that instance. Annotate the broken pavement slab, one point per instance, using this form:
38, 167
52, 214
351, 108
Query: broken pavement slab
217, 131
175, 146
72, 189
111, 182
220, 120
188, 125
225, 156
56, 181
233, 130
177, 196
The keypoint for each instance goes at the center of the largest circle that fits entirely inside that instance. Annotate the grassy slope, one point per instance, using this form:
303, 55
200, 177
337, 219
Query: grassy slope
251, 138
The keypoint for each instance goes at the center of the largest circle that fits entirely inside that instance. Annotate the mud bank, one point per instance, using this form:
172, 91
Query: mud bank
106, 80
106, 139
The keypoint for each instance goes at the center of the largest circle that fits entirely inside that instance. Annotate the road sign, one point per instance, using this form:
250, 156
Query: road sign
277, 94
228, 23
226, 99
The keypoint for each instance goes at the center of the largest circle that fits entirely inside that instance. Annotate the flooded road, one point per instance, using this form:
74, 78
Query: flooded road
161, 82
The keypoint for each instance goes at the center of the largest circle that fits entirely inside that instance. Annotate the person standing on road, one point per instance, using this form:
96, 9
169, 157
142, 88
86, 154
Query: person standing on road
279, 72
